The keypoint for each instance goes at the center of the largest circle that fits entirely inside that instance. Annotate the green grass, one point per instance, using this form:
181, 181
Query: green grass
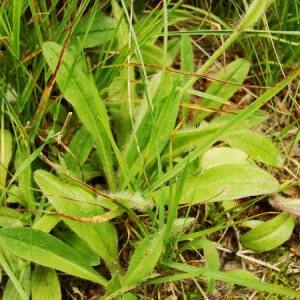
138, 143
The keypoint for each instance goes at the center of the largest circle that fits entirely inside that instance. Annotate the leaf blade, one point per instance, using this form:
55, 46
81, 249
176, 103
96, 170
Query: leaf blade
48, 251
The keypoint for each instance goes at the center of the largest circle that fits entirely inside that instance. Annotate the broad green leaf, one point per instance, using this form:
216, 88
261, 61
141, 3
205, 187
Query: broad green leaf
188, 139
45, 284
235, 73
144, 259
290, 205
95, 30
81, 92
46, 223
228, 182
5, 154
218, 156
73, 200
270, 234
79, 149
256, 145
46, 250
80, 246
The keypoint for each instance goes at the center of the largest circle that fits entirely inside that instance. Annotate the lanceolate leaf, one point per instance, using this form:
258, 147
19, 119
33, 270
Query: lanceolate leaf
75, 201
258, 146
45, 284
235, 73
81, 92
79, 149
46, 250
218, 156
144, 259
270, 234
228, 182
95, 30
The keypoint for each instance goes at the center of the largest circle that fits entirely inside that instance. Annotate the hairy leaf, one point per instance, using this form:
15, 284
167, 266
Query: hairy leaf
76, 201
258, 146
227, 182
144, 259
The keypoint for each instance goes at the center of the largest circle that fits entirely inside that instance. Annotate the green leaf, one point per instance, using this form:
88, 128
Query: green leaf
211, 257
120, 109
235, 72
10, 217
290, 205
45, 284
46, 223
129, 296
25, 175
258, 146
6, 266
227, 182
22, 272
190, 272
270, 234
218, 156
46, 250
217, 134
242, 273
73, 200
95, 30
81, 92
144, 259
5, 155
80, 147
188, 139
149, 139
80, 246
